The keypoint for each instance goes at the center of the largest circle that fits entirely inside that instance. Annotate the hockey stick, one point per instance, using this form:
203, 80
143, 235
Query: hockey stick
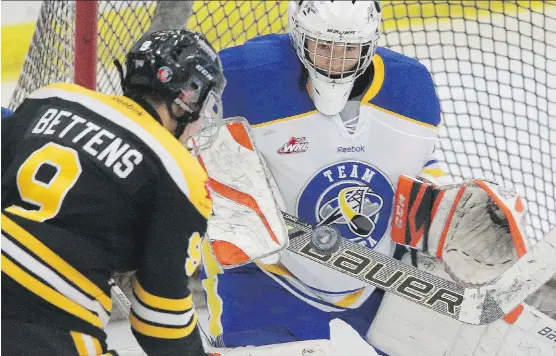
122, 302
472, 305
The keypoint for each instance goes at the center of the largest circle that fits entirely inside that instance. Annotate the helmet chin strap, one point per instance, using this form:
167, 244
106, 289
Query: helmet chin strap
182, 121
180, 128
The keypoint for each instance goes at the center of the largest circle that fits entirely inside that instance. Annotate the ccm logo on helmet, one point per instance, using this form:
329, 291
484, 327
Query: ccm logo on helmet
204, 71
207, 49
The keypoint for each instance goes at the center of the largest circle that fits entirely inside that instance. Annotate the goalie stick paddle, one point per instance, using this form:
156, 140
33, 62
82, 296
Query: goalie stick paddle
472, 305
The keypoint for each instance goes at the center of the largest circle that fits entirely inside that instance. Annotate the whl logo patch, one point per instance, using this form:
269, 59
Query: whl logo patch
294, 145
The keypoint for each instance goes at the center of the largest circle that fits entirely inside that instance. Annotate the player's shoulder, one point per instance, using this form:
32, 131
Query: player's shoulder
123, 114
263, 76
263, 52
134, 121
404, 86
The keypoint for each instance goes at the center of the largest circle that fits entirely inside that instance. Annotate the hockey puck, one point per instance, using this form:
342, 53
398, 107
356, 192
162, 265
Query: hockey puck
325, 239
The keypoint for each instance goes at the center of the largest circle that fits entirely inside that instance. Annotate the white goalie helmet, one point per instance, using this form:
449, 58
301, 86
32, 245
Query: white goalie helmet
335, 40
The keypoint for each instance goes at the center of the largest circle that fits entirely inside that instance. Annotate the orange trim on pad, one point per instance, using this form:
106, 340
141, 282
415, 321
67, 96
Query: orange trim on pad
516, 233
512, 316
241, 198
240, 135
228, 254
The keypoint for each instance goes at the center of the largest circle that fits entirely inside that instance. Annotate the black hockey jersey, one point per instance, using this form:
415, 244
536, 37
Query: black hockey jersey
91, 185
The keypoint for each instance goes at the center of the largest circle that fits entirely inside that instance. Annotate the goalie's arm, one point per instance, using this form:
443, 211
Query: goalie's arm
162, 316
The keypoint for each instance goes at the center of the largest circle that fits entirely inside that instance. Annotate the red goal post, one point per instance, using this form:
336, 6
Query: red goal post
493, 62
86, 30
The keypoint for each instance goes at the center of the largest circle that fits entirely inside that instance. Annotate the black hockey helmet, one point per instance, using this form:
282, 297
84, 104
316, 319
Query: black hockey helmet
181, 67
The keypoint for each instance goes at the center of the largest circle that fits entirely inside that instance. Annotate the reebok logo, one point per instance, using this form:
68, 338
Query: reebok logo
360, 148
294, 145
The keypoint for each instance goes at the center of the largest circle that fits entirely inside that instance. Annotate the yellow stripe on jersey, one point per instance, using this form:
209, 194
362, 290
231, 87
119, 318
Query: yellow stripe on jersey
284, 119
47, 293
349, 299
434, 172
81, 346
98, 347
210, 284
154, 135
275, 269
162, 332
55, 261
79, 343
400, 116
378, 79
153, 301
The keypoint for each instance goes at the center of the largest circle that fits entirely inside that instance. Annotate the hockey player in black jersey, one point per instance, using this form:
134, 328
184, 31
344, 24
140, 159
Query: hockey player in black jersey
94, 184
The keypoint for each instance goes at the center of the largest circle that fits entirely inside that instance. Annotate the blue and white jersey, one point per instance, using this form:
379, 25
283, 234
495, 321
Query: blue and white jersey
326, 174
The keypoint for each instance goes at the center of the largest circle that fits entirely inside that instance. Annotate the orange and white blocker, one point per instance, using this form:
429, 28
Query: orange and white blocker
247, 222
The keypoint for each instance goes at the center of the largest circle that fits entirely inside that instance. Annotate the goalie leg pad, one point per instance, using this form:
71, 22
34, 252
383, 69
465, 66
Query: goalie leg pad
404, 329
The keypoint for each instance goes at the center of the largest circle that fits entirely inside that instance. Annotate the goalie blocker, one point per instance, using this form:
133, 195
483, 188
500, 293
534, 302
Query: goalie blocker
247, 223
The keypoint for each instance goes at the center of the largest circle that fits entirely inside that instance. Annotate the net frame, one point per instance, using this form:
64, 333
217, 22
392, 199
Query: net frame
86, 29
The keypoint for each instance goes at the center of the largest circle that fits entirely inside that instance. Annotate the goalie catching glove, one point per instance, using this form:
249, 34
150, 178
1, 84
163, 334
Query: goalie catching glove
474, 227
471, 233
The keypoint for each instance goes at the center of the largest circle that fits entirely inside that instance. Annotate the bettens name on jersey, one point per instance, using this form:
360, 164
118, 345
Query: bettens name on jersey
110, 150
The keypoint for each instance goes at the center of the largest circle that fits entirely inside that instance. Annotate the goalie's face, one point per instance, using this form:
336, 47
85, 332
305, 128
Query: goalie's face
333, 59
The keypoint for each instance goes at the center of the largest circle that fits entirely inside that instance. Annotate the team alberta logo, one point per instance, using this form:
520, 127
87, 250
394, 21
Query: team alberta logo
351, 195
294, 145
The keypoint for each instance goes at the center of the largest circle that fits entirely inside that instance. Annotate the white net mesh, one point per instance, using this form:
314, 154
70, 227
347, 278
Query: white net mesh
493, 63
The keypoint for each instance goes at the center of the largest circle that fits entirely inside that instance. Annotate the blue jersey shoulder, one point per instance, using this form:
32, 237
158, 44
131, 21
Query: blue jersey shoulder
407, 88
6, 112
263, 80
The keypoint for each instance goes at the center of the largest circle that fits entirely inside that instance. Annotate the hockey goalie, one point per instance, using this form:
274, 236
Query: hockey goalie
341, 135
468, 233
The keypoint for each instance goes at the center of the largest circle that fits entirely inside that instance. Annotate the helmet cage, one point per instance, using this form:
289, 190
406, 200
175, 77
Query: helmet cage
208, 124
310, 48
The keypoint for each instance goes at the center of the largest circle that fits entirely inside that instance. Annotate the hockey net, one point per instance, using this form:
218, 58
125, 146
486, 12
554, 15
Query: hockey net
493, 62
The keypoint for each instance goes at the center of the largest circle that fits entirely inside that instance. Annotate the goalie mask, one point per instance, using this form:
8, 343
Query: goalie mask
335, 41
181, 67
